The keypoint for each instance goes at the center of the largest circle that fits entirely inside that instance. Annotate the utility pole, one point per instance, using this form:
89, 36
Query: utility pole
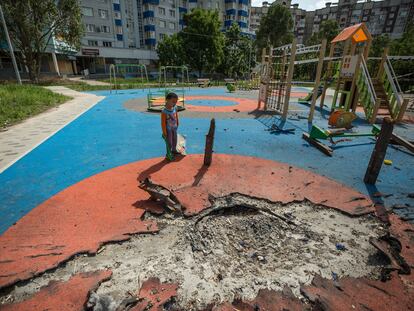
16, 70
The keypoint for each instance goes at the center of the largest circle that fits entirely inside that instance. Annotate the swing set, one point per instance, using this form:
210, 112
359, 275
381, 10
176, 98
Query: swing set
127, 71
156, 99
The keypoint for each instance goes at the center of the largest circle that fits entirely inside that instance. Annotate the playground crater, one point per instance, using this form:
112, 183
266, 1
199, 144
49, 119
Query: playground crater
232, 250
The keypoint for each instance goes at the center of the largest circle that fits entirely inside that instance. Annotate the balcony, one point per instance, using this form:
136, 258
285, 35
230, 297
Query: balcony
246, 2
231, 12
148, 14
192, 1
117, 7
120, 37
151, 41
118, 22
228, 23
149, 27
242, 24
153, 2
229, 1
243, 13
181, 22
182, 10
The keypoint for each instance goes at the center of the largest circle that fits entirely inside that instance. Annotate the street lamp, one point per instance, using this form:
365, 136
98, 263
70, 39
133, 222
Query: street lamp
16, 70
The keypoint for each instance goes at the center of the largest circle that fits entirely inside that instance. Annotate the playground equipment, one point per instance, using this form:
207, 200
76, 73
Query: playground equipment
162, 77
346, 64
156, 99
276, 80
341, 119
318, 133
355, 85
127, 71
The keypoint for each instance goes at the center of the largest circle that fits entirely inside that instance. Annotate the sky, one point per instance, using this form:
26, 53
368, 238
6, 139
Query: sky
303, 4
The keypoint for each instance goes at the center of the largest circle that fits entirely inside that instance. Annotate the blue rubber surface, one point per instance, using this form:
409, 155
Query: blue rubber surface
108, 135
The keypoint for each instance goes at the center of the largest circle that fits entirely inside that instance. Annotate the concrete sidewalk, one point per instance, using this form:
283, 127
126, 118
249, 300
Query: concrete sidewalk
88, 81
18, 140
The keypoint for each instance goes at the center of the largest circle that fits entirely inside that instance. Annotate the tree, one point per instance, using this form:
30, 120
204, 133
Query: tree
237, 53
328, 30
202, 39
33, 24
404, 68
378, 45
405, 45
275, 27
170, 51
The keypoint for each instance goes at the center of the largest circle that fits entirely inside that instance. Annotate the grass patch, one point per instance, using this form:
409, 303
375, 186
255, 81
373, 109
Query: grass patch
19, 102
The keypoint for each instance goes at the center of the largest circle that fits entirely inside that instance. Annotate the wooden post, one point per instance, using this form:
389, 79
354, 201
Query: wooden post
403, 108
378, 154
289, 79
270, 63
281, 80
367, 48
208, 151
328, 74
263, 56
353, 100
381, 65
317, 80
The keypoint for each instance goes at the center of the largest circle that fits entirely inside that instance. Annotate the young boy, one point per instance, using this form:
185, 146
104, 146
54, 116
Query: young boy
169, 123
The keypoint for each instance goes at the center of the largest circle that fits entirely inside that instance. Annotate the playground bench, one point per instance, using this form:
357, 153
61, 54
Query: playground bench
203, 82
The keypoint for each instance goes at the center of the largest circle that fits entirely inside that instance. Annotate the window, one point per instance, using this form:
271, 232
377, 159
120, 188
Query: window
87, 11
117, 15
172, 13
115, 1
162, 36
105, 29
107, 44
161, 11
90, 28
103, 13
92, 43
162, 24
171, 25
118, 30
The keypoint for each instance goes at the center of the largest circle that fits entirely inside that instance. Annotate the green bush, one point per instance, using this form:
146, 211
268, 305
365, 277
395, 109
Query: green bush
231, 88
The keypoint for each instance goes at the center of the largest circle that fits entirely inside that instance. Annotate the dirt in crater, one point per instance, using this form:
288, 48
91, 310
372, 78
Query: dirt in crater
239, 246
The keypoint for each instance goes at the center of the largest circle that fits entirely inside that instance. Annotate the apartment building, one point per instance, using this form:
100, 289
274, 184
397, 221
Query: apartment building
256, 14
164, 17
127, 31
113, 34
387, 16
141, 23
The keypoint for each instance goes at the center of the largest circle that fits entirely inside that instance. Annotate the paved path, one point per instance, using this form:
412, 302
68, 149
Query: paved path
90, 82
20, 139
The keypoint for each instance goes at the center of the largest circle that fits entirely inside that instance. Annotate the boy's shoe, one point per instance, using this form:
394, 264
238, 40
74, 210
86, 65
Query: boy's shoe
176, 152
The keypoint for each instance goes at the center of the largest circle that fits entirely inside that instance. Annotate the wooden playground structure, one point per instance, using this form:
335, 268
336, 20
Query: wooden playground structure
346, 64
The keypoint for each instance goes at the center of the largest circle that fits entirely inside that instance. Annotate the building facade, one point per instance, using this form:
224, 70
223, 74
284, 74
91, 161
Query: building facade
127, 31
381, 17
